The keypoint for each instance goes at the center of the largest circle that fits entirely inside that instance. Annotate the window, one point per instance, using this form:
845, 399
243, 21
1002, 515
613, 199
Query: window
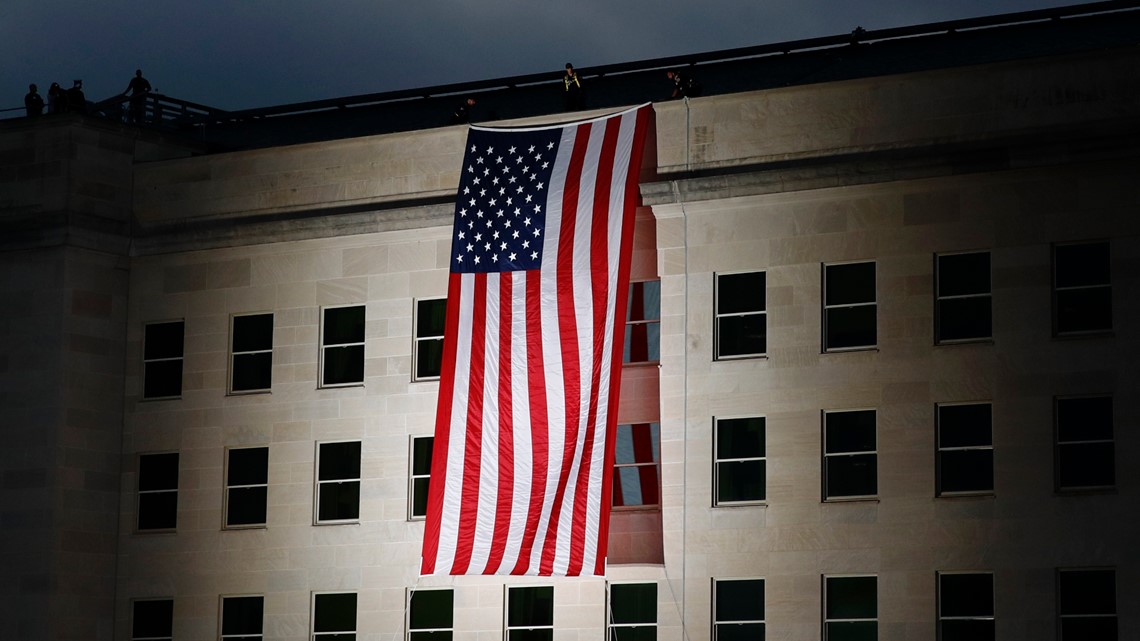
162, 360
740, 460
158, 491
1085, 457
741, 315
1086, 604
849, 308
636, 455
334, 616
430, 317
247, 486
965, 463
850, 608
242, 618
965, 606
738, 609
962, 301
152, 620
850, 465
338, 482
530, 613
342, 346
633, 612
251, 353
643, 323
420, 476
1082, 289
431, 615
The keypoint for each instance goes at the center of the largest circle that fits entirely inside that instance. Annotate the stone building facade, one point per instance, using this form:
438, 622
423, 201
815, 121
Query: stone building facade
891, 392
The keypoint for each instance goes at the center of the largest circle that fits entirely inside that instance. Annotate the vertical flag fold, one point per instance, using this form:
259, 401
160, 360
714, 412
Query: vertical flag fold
523, 452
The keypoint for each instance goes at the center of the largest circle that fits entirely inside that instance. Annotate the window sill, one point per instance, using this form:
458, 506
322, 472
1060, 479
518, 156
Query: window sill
740, 504
965, 341
642, 364
1085, 491
851, 499
1076, 336
849, 350
736, 359
324, 523
260, 392
239, 528
341, 386
966, 495
635, 508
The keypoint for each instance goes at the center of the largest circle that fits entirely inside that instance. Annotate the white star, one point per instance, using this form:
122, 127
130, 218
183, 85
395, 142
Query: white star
502, 246
515, 234
518, 160
479, 160
462, 234
487, 247
510, 201
526, 244
519, 190
479, 214
550, 145
533, 255
486, 171
459, 258
499, 160
495, 180
462, 212
490, 149
526, 221
511, 150
537, 157
512, 180
538, 209
536, 231
499, 214
495, 257
470, 247
472, 148
502, 190
488, 224
528, 197
466, 191
533, 176
470, 224
475, 182
530, 150
476, 260
517, 211
512, 256
526, 170
482, 192
471, 202
492, 202
545, 165
495, 235
478, 237
470, 169
538, 186
507, 224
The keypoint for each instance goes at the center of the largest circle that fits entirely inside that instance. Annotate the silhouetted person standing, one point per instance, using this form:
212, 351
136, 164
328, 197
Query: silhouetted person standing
33, 102
463, 112
76, 101
573, 94
57, 100
138, 90
684, 86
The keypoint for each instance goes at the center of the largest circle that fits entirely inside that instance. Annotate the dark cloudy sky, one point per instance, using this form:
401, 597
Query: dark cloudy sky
236, 54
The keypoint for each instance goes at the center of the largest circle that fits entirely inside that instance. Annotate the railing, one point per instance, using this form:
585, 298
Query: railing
165, 111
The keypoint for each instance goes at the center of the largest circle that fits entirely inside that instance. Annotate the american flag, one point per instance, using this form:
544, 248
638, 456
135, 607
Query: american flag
521, 469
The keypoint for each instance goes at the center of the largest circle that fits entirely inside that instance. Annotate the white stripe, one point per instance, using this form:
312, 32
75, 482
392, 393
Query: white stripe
521, 422
584, 318
453, 486
551, 345
597, 456
489, 444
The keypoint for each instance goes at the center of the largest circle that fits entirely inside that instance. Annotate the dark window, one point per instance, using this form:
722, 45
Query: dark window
850, 461
965, 449
334, 617
251, 353
1086, 604
430, 317
849, 307
242, 618
1085, 454
152, 620
740, 460
431, 615
162, 360
850, 607
158, 491
636, 456
420, 477
247, 486
741, 315
643, 323
530, 613
633, 611
338, 481
342, 346
738, 609
1082, 289
963, 303
966, 607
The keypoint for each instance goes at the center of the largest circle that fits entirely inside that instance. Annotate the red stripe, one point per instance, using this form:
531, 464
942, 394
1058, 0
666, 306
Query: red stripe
472, 449
442, 428
539, 427
632, 200
600, 275
568, 337
506, 461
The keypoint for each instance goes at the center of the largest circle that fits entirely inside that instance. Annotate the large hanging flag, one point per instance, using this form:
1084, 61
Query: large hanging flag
521, 468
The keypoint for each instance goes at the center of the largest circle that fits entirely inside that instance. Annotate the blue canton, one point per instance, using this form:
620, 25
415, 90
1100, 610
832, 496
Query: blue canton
500, 209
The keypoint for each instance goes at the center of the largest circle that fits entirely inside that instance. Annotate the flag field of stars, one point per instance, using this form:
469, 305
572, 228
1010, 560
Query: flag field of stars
500, 209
